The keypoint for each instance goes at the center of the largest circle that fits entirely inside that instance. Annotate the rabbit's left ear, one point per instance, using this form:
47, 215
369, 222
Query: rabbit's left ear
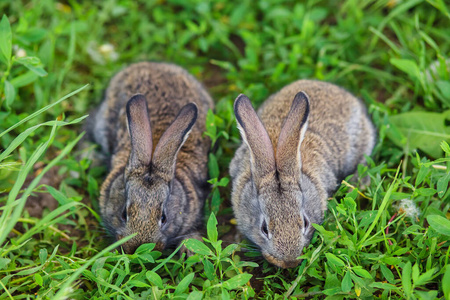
140, 133
166, 151
262, 158
288, 156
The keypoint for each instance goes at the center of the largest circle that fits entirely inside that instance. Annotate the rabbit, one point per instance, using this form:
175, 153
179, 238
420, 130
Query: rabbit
304, 140
157, 182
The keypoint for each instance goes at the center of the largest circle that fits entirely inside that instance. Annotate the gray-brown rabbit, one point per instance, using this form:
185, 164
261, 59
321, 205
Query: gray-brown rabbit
308, 137
157, 183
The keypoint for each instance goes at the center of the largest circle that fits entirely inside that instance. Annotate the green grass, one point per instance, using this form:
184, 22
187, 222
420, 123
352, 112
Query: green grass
388, 240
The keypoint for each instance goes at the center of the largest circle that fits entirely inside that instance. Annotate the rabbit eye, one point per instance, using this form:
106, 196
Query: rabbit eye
264, 229
163, 218
124, 214
306, 222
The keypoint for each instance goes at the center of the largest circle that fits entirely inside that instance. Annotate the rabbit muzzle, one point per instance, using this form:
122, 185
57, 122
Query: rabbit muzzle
130, 246
285, 264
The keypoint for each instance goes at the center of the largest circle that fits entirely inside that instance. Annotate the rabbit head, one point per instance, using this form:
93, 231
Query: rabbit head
278, 222
143, 198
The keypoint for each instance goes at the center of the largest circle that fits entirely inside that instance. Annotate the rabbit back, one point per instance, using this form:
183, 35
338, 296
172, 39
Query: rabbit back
339, 130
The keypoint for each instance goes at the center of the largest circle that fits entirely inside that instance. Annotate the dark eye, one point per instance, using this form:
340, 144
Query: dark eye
124, 214
306, 221
163, 218
264, 229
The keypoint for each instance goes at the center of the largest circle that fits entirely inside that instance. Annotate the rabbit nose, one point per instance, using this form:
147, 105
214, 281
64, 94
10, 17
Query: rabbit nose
122, 247
128, 248
290, 264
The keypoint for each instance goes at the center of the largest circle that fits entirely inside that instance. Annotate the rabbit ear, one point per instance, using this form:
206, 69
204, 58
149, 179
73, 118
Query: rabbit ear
257, 139
140, 132
291, 136
172, 140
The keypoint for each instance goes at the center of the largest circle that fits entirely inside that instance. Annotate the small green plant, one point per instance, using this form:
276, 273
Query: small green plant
220, 263
213, 122
32, 63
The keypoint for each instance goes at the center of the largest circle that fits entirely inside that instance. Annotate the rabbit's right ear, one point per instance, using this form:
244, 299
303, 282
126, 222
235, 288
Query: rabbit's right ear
257, 139
172, 140
291, 136
140, 132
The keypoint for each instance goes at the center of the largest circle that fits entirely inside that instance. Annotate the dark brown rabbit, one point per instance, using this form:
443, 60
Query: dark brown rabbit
307, 138
151, 123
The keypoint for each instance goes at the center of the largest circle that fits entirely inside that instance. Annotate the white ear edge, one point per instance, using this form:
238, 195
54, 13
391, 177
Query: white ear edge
185, 138
128, 127
302, 136
244, 139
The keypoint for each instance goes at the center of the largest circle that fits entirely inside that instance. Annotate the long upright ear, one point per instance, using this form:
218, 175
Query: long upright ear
254, 134
140, 132
172, 140
291, 137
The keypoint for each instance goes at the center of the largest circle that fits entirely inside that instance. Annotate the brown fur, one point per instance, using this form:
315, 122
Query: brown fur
316, 139
158, 176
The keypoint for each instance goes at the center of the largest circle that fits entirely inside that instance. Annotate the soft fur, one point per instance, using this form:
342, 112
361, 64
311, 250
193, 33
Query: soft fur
307, 138
157, 185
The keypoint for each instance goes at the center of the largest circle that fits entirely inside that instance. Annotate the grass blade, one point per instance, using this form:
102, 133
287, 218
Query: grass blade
38, 112
5, 40
383, 205
21, 137
7, 224
64, 290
